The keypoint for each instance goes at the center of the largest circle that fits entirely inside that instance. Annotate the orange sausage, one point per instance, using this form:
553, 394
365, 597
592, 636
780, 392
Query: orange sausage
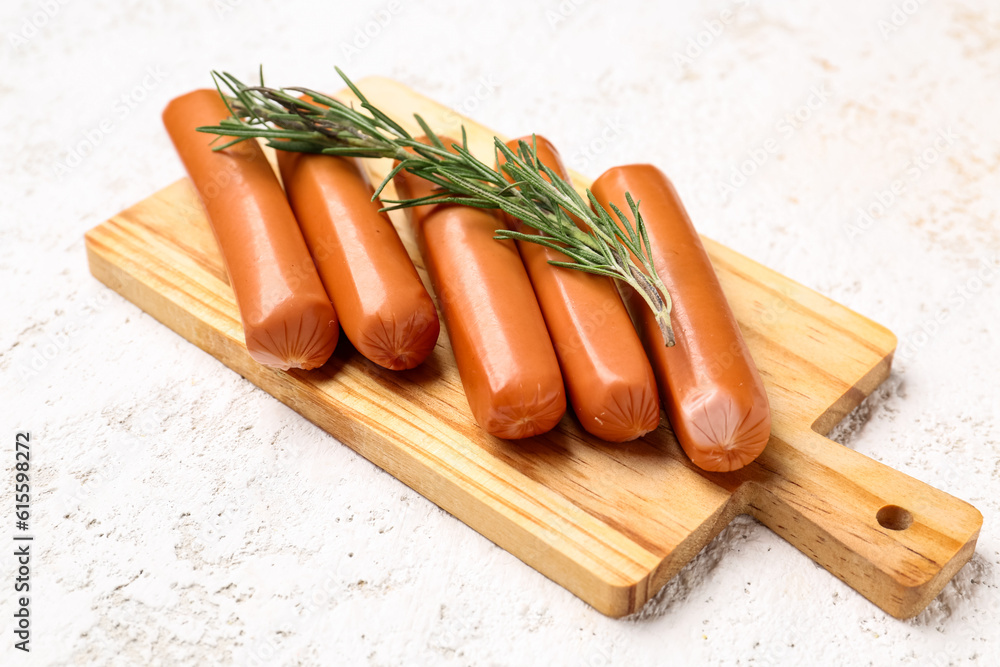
505, 358
288, 320
712, 392
611, 385
383, 307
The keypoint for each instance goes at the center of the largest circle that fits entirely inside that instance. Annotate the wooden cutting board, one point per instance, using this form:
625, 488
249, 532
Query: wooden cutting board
610, 522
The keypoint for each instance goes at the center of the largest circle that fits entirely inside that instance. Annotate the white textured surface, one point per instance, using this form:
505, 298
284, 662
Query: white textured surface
185, 517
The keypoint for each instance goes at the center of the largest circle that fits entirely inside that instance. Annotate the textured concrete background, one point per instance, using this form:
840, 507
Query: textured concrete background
185, 517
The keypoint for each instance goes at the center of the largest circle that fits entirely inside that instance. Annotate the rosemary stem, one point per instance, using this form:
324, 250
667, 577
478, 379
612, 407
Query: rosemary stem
652, 296
603, 244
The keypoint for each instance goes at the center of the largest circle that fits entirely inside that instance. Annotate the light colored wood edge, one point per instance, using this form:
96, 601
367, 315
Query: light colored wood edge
685, 552
854, 396
824, 498
899, 571
613, 595
610, 591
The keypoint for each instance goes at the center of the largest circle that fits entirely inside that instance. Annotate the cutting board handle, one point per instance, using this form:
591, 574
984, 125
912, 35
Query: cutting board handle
892, 538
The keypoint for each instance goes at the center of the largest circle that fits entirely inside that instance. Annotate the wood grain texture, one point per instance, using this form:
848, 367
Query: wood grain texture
610, 522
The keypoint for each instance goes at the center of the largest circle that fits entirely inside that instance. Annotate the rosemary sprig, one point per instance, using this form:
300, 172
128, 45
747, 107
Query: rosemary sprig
538, 197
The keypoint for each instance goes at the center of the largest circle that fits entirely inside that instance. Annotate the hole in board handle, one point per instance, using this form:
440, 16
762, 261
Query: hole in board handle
894, 517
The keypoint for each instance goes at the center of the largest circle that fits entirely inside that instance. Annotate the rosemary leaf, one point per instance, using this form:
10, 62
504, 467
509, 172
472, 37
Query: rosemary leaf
524, 188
